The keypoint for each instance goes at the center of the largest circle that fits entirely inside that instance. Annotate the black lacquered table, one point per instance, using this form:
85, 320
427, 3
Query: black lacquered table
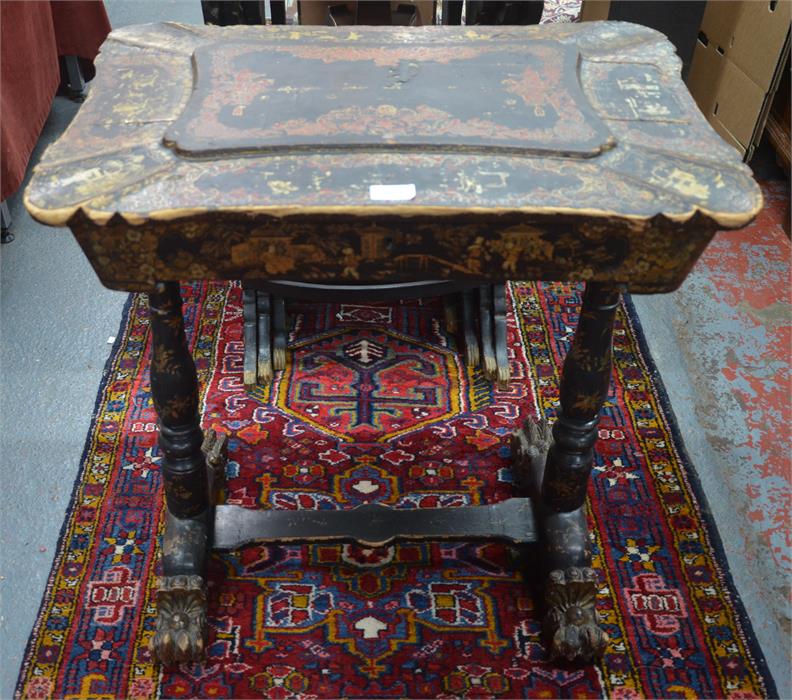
370, 155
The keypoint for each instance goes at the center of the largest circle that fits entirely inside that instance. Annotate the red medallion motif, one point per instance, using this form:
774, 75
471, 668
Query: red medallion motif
369, 384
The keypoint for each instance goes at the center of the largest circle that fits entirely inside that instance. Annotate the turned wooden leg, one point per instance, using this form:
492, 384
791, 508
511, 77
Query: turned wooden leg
181, 599
485, 332
503, 373
264, 355
250, 337
472, 355
279, 333
556, 467
584, 385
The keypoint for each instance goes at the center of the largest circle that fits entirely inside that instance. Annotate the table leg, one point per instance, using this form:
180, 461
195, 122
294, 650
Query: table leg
251, 338
503, 373
485, 332
556, 466
187, 475
472, 355
279, 333
264, 355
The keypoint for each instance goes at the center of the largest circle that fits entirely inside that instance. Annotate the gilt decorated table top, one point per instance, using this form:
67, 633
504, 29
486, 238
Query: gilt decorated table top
370, 154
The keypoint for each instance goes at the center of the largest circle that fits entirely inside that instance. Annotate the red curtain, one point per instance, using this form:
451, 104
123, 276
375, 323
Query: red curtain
32, 36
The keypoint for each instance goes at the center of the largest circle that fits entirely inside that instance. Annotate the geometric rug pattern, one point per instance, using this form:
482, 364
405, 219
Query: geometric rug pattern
377, 406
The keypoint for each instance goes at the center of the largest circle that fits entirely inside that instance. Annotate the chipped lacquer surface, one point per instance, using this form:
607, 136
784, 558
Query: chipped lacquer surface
553, 152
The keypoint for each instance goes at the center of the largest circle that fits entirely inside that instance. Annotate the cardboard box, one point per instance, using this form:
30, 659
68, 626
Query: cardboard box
737, 64
732, 63
594, 10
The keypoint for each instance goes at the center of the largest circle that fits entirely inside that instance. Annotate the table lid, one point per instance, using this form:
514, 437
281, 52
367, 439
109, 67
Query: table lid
587, 119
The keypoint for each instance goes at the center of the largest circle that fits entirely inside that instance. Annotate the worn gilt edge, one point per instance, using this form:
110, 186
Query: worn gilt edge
131, 44
62, 216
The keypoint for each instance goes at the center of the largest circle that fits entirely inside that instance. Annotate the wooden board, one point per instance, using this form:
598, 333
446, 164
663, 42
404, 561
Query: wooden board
552, 152
376, 525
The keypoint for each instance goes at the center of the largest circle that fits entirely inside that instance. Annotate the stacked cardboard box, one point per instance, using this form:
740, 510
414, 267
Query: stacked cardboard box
739, 54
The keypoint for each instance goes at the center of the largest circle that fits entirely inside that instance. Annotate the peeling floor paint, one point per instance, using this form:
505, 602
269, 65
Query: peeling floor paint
722, 344
749, 331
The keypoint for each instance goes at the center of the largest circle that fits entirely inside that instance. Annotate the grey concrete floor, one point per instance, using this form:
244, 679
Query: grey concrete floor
55, 321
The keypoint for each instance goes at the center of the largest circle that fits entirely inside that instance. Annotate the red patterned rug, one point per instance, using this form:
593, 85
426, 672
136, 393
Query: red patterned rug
377, 406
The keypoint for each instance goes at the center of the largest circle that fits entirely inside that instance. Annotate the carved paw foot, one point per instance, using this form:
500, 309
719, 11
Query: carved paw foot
181, 620
215, 449
529, 447
571, 620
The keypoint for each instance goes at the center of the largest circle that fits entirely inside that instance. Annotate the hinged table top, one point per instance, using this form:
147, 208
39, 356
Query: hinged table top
585, 120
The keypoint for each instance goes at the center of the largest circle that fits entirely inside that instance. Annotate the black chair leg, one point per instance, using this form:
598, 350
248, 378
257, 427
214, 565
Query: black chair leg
5, 223
278, 11
72, 79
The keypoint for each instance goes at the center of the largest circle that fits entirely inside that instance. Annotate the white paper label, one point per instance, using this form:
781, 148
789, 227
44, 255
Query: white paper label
392, 193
